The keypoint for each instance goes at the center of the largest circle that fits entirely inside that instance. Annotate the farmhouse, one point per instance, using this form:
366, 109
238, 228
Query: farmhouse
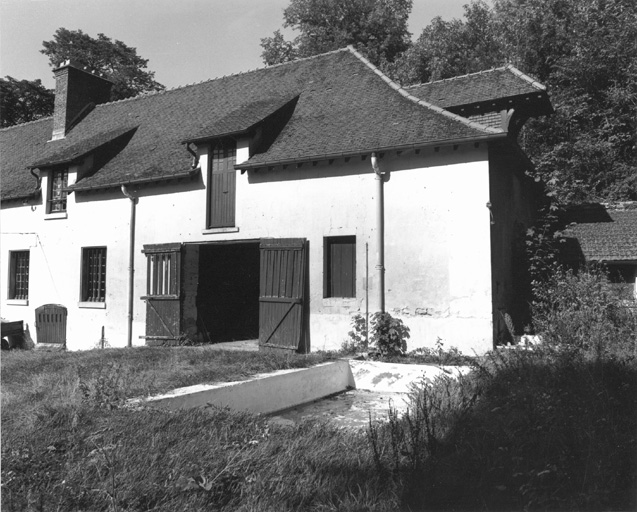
272, 204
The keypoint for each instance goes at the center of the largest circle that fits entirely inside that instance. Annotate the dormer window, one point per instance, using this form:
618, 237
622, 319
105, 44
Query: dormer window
57, 194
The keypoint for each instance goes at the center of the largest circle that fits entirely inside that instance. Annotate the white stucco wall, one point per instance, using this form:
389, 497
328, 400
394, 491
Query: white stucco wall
437, 243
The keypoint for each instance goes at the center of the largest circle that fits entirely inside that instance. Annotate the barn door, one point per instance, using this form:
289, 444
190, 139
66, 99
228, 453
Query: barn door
282, 293
163, 297
50, 324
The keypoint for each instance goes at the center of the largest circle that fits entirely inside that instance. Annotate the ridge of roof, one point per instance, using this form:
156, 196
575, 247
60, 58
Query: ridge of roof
26, 123
423, 103
458, 77
209, 80
507, 67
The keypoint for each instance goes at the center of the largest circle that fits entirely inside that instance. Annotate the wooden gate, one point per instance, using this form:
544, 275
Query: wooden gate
282, 293
163, 293
50, 324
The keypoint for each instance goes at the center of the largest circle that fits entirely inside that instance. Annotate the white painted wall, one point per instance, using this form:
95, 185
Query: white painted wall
437, 243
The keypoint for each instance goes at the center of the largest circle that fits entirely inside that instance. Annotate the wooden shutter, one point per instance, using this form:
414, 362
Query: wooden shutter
222, 186
163, 298
282, 293
340, 267
50, 324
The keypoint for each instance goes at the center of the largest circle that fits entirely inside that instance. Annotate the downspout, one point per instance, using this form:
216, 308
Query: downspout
131, 264
380, 225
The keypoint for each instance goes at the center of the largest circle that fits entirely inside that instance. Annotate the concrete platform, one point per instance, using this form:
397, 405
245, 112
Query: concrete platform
344, 391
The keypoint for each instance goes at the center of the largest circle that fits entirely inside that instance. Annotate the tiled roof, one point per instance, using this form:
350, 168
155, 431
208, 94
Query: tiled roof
19, 146
604, 233
482, 87
345, 107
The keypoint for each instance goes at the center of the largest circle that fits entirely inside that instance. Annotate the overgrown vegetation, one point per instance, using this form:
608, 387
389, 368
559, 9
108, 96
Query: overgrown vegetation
526, 430
551, 428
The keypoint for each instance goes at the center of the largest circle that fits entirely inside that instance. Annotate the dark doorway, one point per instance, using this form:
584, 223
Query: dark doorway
228, 291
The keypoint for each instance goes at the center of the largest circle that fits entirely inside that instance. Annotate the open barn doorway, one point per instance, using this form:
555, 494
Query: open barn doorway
227, 298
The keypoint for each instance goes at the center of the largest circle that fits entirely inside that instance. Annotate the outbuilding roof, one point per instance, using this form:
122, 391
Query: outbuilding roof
604, 232
491, 85
342, 105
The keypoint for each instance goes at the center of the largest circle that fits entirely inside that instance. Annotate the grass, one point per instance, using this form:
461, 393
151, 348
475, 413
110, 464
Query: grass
525, 430
68, 444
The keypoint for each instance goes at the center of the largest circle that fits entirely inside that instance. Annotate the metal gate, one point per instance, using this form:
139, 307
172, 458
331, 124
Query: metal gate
50, 324
282, 293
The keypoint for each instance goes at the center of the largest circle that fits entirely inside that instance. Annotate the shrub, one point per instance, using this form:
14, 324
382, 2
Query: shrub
583, 312
388, 334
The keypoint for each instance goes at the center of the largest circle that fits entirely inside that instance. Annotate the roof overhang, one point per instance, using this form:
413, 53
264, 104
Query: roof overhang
248, 165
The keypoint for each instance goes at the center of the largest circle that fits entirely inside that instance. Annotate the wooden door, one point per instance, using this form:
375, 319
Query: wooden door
222, 186
50, 324
282, 293
163, 292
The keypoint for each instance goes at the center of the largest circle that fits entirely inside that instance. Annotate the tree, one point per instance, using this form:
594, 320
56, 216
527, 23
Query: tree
584, 51
23, 100
451, 48
378, 28
114, 59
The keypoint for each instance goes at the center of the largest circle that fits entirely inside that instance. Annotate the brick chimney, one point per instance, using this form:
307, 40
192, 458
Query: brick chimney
75, 91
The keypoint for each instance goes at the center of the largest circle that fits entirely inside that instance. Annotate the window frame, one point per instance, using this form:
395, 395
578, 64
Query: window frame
53, 189
329, 284
18, 285
89, 292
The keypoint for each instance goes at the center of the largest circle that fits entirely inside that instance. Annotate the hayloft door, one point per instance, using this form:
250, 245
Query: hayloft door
282, 293
163, 297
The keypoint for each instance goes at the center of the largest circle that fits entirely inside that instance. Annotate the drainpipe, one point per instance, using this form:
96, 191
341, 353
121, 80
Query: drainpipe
380, 224
131, 264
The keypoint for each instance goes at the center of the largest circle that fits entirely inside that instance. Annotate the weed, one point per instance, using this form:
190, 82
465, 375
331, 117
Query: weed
357, 340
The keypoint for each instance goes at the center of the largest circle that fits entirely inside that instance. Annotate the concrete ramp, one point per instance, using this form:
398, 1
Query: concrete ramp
266, 393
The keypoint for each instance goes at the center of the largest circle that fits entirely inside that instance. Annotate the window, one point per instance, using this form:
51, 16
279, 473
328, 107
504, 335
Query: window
221, 185
93, 274
57, 195
163, 274
19, 275
339, 266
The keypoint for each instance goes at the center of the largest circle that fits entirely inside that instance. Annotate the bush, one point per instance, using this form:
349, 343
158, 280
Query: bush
583, 312
389, 334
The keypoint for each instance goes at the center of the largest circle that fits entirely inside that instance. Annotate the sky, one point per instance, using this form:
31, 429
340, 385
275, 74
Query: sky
185, 41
